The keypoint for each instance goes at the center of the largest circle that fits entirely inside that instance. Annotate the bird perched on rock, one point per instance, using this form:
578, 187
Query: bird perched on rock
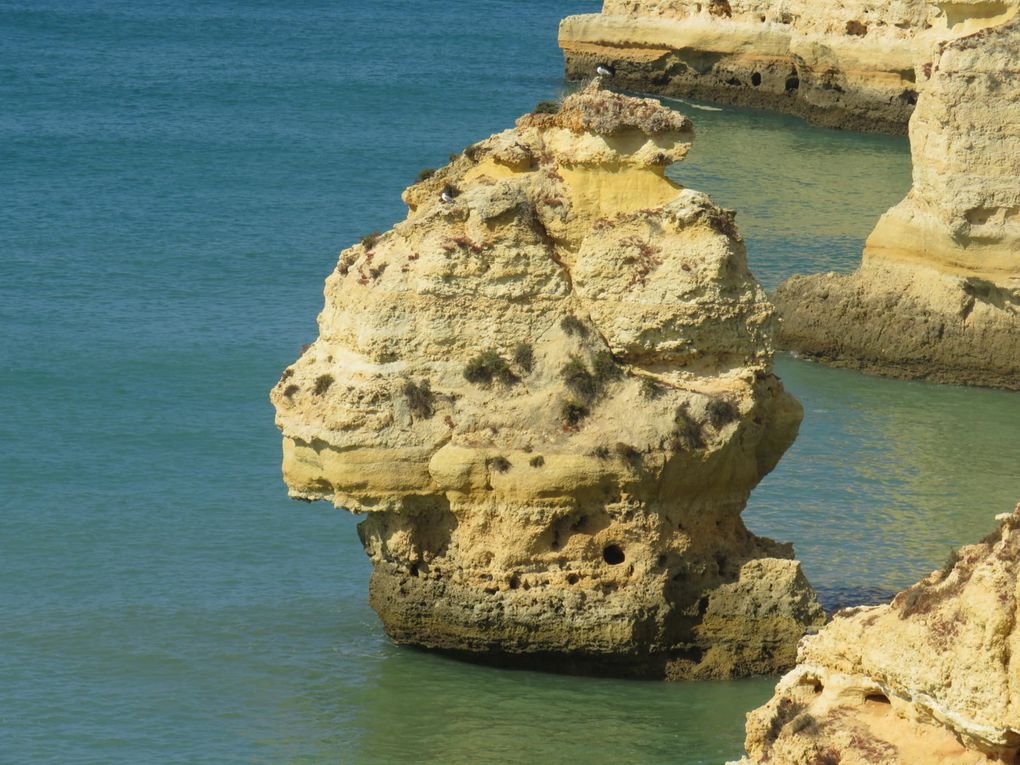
447, 195
605, 70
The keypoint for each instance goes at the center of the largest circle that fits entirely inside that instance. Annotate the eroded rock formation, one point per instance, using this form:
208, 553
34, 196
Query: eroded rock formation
931, 678
938, 293
549, 392
855, 64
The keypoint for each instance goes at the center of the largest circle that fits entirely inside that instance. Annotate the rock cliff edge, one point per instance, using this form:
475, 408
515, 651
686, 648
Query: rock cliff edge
937, 296
930, 678
854, 64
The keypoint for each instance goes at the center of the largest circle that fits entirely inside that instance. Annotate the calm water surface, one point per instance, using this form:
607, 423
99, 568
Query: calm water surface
175, 182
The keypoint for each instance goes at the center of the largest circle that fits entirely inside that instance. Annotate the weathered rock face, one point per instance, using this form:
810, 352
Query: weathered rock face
931, 678
855, 64
550, 395
938, 293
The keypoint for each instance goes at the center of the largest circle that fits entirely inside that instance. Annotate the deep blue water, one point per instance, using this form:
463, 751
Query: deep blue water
175, 182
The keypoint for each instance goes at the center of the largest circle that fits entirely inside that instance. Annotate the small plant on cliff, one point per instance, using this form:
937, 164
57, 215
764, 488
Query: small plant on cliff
488, 366
370, 240
500, 464
571, 325
687, 433
420, 399
605, 368
578, 379
547, 107
600, 452
573, 412
425, 173
322, 383
290, 390
651, 390
524, 358
721, 412
537, 462
644, 262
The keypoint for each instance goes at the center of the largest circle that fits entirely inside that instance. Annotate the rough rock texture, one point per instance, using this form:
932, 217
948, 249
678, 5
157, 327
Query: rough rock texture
931, 678
550, 397
938, 292
855, 64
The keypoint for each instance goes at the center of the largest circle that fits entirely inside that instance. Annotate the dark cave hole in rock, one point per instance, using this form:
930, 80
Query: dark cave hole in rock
413, 571
909, 96
877, 698
733, 81
613, 555
703, 605
792, 84
515, 582
572, 579
756, 79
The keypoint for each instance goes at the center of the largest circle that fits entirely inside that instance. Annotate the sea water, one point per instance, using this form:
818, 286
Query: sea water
176, 179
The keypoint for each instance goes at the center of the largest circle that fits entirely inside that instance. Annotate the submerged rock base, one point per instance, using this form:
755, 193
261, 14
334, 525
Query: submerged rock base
549, 391
906, 321
931, 678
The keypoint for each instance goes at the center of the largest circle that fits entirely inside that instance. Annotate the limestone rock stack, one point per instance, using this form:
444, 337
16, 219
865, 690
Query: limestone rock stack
931, 678
938, 293
549, 392
855, 64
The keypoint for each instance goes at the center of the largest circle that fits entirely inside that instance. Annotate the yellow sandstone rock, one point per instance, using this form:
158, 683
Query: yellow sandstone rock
931, 679
856, 64
938, 292
549, 391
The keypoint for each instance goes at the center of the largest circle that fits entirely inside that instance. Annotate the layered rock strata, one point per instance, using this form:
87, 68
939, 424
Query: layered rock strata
937, 295
931, 678
855, 64
549, 392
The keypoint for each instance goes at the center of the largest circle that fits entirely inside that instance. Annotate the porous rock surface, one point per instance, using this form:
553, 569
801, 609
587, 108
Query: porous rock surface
855, 64
937, 295
932, 678
550, 398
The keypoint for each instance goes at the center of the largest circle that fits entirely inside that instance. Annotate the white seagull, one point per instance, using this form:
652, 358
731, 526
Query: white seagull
447, 195
605, 70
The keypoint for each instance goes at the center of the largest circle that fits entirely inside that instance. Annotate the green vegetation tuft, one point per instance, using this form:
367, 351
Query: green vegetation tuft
420, 399
488, 366
573, 412
578, 379
524, 358
322, 383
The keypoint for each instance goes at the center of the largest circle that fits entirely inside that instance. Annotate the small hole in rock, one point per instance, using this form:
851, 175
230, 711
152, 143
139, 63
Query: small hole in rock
756, 79
414, 569
613, 555
817, 686
515, 582
877, 698
572, 578
792, 83
703, 605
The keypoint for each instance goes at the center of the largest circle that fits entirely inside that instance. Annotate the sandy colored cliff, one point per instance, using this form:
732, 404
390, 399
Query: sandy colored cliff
937, 295
854, 64
549, 392
930, 679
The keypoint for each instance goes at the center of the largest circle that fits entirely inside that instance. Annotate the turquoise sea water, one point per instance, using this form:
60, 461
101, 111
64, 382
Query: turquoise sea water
175, 182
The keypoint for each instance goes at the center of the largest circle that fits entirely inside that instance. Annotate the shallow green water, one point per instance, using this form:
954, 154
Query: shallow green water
176, 182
